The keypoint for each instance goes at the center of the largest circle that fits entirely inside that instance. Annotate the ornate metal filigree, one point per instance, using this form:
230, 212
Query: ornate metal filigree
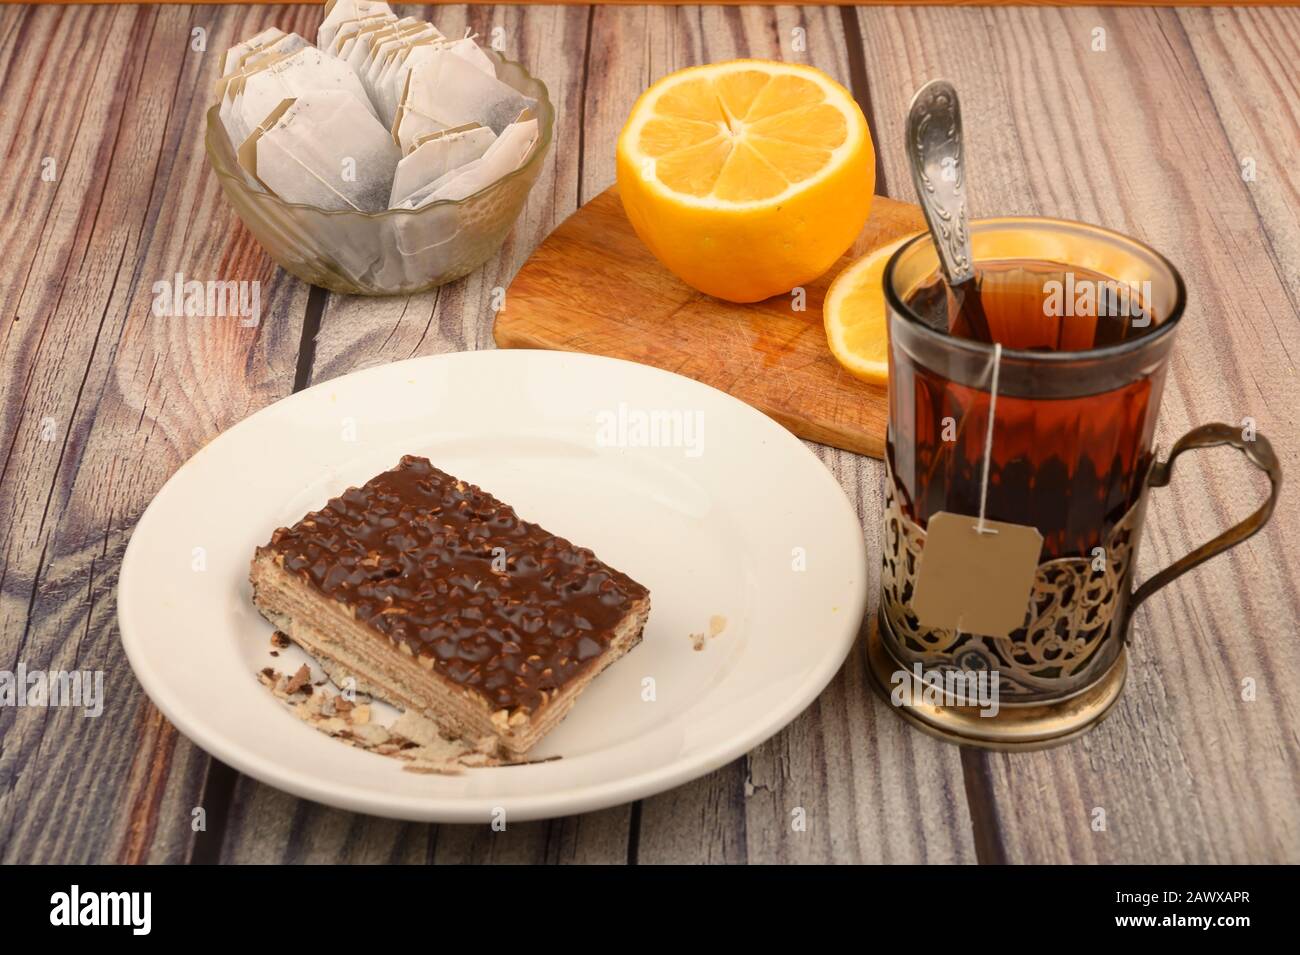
1067, 641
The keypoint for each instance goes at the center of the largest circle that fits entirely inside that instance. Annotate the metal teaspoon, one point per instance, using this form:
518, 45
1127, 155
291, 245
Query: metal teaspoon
934, 152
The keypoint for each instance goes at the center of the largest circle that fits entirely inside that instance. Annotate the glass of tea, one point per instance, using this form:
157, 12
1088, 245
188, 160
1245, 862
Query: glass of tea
1085, 319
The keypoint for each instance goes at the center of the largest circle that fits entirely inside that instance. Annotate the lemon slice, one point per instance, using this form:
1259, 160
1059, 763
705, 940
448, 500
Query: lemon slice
854, 313
747, 178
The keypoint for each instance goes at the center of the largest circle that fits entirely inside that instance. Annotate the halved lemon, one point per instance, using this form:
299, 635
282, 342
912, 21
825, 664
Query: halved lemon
854, 313
748, 178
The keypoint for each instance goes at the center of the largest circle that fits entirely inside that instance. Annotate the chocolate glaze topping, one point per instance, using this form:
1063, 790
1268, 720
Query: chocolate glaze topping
412, 553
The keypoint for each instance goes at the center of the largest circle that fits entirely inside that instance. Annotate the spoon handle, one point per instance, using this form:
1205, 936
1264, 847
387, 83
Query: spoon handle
934, 153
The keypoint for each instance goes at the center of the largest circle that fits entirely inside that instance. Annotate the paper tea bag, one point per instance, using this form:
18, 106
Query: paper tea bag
231, 62
363, 46
412, 127
229, 90
383, 54
392, 81
325, 149
450, 90
473, 54
289, 43
428, 247
504, 156
250, 62
299, 73
437, 155
261, 57
343, 41
355, 50
391, 84
342, 11
428, 241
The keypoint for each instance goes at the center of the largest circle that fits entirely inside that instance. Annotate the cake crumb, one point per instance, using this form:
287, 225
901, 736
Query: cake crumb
299, 680
413, 739
717, 624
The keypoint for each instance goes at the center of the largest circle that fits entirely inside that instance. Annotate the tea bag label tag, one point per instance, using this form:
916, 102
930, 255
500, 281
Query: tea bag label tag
973, 580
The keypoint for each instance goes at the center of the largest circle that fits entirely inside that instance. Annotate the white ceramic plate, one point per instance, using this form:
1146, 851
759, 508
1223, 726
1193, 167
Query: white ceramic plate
733, 518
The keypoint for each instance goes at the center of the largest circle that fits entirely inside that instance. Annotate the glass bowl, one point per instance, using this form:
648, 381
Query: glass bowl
398, 251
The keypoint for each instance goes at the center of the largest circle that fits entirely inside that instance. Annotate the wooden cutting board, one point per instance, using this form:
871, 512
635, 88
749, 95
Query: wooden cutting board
592, 286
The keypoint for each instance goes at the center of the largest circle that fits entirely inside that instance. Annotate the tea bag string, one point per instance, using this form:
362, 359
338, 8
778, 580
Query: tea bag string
988, 437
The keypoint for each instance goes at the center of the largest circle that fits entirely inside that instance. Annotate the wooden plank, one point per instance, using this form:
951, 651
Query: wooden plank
1184, 770
99, 397
766, 353
830, 763
268, 826
1248, 60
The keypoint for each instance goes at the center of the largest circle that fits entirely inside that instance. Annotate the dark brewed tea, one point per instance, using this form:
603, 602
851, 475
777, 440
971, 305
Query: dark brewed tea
1069, 466
1039, 306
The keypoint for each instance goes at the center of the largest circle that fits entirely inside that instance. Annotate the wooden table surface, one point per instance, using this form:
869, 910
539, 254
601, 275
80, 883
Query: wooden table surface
102, 402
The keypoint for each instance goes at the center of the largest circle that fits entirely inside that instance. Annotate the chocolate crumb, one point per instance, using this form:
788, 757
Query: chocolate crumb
299, 680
